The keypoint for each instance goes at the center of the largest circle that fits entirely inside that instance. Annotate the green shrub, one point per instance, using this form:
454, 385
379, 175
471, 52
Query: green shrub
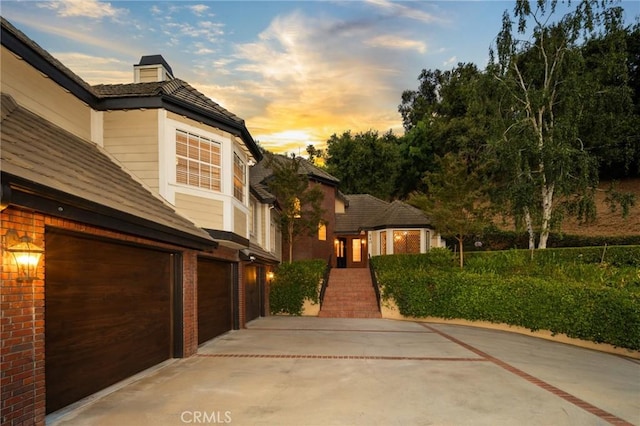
293, 283
494, 239
564, 291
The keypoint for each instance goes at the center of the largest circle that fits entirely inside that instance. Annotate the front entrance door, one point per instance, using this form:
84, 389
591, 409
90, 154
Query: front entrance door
341, 253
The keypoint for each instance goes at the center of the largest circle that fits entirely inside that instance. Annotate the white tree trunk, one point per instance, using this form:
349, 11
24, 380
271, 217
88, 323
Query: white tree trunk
529, 224
547, 208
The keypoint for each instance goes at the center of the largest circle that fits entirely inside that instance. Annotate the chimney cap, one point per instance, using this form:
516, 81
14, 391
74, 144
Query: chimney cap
155, 60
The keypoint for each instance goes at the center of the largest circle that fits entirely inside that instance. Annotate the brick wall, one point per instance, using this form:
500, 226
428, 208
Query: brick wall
22, 330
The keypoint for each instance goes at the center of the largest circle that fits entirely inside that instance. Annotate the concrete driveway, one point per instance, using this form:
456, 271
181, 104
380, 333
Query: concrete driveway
316, 371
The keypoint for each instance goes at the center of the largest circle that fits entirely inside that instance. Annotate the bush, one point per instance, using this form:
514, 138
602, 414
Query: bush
564, 291
293, 283
494, 239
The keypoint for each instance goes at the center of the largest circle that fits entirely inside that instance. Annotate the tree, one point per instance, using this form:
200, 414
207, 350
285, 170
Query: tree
610, 118
365, 162
451, 112
540, 152
299, 200
314, 154
455, 200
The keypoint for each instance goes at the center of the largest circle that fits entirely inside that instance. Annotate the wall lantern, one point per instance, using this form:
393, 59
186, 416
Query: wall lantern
26, 255
270, 275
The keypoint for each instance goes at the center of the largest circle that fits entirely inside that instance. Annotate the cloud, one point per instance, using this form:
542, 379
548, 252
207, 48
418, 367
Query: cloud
307, 81
397, 42
206, 30
198, 9
96, 70
83, 8
451, 61
76, 34
405, 11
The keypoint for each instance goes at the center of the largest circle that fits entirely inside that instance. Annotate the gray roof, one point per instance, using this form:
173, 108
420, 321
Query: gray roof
262, 170
37, 151
399, 214
365, 211
361, 208
175, 88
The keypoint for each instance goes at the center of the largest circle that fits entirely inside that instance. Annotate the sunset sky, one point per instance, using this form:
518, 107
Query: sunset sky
295, 71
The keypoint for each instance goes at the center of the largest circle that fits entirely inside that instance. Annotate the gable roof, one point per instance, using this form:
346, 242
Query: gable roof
360, 209
44, 164
261, 171
365, 211
176, 88
399, 215
174, 95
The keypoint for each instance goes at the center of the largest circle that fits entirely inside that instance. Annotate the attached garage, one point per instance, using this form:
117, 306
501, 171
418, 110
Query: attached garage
215, 301
108, 314
253, 291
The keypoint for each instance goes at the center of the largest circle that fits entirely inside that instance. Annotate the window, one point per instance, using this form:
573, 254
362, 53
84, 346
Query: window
406, 242
322, 232
239, 176
383, 242
356, 245
197, 161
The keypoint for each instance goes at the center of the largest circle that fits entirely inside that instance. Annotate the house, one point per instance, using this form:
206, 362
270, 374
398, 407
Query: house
137, 197
355, 226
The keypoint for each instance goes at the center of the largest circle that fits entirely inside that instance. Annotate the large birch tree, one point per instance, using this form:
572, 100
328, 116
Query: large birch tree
541, 73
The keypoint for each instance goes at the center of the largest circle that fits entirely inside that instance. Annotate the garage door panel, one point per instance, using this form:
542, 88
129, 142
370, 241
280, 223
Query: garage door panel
252, 292
214, 299
107, 313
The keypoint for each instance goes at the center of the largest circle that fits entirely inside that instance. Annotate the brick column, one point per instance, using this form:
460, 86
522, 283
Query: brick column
190, 303
22, 377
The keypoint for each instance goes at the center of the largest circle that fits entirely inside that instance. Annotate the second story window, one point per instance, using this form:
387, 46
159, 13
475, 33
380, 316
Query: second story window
239, 177
197, 161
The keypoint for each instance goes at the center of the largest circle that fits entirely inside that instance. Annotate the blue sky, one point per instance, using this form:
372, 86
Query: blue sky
296, 71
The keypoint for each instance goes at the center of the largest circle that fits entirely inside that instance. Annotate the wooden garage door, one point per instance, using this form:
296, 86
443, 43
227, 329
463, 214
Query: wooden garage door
215, 314
107, 314
252, 292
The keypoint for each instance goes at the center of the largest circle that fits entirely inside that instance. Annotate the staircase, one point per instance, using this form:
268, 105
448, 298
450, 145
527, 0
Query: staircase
350, 294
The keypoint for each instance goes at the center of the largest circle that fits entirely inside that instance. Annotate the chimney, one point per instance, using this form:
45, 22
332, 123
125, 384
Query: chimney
152, 68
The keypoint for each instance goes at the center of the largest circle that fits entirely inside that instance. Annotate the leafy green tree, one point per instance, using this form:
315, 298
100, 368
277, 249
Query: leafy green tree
610, 118
365, 162
455, 200
300, 201
452, 111
314, 154
542, 76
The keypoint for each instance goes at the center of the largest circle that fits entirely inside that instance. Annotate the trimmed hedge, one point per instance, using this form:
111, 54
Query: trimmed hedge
589, 301
293, 283
506, 240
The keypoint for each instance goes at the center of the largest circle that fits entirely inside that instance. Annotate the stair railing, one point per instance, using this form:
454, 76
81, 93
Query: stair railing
374, 282
325, 280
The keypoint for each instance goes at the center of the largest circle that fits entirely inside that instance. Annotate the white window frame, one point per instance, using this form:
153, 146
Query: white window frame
187, 157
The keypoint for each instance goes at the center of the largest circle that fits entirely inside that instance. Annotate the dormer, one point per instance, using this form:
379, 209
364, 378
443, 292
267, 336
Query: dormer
152, 68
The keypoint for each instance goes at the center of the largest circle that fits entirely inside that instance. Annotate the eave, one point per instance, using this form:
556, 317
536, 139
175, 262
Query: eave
22, 193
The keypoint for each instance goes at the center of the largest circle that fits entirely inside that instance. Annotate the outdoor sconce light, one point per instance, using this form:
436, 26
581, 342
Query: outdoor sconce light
25, 254
270, 275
